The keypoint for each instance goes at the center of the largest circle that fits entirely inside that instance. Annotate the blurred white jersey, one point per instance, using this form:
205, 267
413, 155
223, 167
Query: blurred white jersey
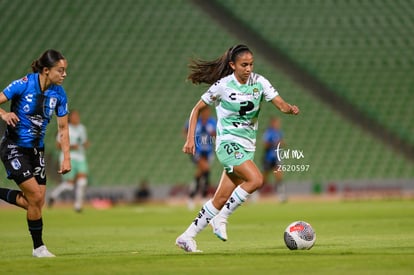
77, 136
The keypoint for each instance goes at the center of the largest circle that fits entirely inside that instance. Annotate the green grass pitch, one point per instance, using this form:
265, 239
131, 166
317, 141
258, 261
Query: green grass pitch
354, 237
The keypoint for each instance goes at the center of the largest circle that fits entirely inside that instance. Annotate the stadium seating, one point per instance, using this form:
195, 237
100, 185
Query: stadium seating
363, 50
128, 67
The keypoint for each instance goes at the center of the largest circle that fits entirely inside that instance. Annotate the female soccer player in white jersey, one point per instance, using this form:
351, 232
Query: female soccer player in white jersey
34, 99
77, 179
237, 92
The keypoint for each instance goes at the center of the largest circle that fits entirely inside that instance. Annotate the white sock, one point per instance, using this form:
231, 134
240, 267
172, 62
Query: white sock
80, 192
64, 186
207, 212
238, 196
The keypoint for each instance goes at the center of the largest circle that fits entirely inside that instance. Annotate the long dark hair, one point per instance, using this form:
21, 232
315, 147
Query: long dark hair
209, 72
47, 60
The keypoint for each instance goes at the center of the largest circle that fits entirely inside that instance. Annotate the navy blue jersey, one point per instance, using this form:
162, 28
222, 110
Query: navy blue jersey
273, 137
204, 135
34, 108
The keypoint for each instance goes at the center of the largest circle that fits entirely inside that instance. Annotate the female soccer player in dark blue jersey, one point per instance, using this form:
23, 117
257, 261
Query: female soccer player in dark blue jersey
34, 99
205, 133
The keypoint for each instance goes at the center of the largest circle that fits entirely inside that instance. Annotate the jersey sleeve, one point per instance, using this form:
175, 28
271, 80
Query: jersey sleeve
16, 88
62, 106
212, 95
268, 90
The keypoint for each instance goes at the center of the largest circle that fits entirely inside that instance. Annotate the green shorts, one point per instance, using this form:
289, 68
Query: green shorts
232, 154
78, 167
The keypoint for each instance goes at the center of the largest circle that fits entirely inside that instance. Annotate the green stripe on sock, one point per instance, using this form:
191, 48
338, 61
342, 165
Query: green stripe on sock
211, 213
240, 199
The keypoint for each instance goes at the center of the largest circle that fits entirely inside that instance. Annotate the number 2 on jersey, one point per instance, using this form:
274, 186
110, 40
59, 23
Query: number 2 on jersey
245, 106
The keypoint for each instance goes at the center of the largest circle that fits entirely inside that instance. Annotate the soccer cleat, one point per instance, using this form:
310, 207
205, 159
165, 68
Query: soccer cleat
219, 225
42, 252
187, 244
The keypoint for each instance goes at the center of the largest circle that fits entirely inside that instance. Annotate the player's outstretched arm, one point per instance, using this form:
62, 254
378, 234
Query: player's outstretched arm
285, 107
63, 132
189, 146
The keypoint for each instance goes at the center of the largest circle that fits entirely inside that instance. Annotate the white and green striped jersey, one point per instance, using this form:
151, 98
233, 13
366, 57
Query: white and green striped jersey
77, 136
237, 107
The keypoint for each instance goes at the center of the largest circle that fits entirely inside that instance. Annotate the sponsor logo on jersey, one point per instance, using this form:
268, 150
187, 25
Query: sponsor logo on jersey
29, 97
52, 102
213, 97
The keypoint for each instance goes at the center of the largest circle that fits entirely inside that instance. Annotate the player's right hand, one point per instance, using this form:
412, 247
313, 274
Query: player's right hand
10, 118
65, 166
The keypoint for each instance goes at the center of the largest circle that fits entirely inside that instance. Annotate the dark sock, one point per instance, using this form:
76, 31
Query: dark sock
36, 228
206, 177
9, 195
193, 193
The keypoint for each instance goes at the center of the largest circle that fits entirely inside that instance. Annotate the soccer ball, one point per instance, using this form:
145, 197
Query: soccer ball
299, 235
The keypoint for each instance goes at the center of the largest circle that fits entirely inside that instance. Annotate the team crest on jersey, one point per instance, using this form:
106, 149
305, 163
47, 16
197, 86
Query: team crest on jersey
256, 93
238, 155
26, 108
24, 79
52, 102
15, 163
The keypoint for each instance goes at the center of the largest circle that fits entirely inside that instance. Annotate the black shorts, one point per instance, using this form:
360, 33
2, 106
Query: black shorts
270, 164
201, 154
23, 163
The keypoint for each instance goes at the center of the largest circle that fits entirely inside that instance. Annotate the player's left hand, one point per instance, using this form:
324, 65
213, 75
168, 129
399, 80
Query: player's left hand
65, 167
189, 147
294, 110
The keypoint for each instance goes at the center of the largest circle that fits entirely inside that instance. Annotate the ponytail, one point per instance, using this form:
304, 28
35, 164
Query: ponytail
36, 66
210, 71
47, 60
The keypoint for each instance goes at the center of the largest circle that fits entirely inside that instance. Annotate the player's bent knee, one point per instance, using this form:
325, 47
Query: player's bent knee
258, 181
36, 199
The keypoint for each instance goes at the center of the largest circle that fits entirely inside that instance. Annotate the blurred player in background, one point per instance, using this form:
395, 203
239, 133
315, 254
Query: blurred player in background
237, 92
205, 133
77, 178
273, 140
34, 99
143, 192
